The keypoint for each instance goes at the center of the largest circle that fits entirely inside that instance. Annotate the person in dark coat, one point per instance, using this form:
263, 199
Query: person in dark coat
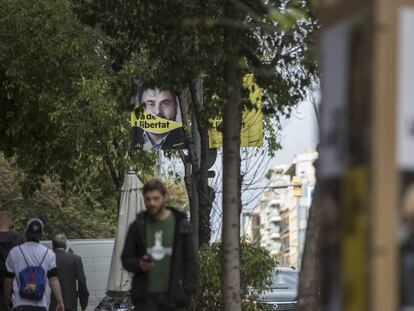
71, 276
159, 251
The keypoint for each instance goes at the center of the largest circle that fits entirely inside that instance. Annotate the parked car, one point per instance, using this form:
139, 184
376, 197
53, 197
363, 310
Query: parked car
283, 290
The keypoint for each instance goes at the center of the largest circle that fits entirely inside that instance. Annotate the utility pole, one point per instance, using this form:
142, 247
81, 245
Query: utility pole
361, 159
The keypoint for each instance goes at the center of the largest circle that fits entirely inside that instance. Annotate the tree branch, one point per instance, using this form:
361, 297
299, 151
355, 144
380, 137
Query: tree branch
259, 64
112, 170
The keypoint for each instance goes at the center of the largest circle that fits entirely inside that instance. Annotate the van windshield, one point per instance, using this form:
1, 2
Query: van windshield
285, 279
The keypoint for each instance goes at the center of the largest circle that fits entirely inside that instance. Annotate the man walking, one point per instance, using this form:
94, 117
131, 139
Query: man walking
71, 276
159, 251
8, 240
31, 273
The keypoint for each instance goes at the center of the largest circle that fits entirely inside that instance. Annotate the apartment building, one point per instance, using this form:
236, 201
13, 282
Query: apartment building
283, 210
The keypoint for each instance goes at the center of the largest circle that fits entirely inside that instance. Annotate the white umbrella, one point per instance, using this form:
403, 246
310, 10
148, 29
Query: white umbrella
131, 203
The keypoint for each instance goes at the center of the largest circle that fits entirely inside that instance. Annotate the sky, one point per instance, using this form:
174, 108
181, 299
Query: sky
299, 133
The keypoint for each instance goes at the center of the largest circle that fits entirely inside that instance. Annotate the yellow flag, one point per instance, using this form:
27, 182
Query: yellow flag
153, 124
251, 134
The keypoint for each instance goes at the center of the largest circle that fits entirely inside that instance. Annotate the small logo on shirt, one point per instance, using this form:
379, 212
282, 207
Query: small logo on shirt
158, 251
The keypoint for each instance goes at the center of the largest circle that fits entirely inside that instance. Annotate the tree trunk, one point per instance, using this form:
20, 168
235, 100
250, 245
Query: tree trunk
330, 247
190, 163
232, 118
195, 176
205, 192
309, 285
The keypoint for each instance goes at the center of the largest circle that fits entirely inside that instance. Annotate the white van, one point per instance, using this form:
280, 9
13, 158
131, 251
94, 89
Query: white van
96, 256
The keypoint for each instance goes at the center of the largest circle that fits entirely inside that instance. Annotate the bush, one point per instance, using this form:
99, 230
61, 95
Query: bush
256, 266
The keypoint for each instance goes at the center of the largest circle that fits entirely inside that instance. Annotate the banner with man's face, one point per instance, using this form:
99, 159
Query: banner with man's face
156, 121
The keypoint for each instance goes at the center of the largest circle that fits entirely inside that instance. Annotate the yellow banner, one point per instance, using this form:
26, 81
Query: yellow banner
153, 124
251, 133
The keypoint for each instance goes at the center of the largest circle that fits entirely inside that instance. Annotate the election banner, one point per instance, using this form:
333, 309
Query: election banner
153, 124
157, 121
251, 134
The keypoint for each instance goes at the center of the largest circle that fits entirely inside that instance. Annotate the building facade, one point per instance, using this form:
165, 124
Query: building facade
283, 210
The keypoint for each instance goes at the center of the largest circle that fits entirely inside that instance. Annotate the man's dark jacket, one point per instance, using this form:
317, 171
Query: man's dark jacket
184, 265
72, 280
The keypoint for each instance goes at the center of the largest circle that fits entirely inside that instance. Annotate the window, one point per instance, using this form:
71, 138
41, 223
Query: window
303, 213
285, 243
284, 225
302, 237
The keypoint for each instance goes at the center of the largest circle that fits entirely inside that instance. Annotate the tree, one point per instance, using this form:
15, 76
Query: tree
88, 213
169, 44
59, 116
309, 290
177, 194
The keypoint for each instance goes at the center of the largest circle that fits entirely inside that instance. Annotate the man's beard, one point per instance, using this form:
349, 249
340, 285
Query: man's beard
158, 212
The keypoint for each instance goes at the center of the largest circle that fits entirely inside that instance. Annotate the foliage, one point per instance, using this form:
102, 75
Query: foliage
177, 194
59, 116
256, 266
88, 214
45, 52
170, 43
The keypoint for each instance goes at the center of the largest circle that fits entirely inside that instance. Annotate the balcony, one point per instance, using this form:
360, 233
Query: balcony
275, 202
274, 235
275, 218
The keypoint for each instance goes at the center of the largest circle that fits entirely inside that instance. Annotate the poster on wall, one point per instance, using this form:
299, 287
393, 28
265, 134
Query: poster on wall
156, 120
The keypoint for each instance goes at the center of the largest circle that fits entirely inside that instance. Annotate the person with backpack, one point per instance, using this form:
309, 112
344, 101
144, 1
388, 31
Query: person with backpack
8, 240
159, 251
31, 274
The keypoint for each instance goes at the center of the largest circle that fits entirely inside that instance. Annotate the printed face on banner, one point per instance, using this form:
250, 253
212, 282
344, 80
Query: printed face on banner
157, 121
161, 104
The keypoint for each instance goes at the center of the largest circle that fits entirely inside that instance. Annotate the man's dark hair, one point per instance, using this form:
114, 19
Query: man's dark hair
60, 241
56, 245
32, 237
154, 184
140, 95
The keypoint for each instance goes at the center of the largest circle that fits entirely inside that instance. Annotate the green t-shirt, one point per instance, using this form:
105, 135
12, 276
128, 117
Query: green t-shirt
160, 239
